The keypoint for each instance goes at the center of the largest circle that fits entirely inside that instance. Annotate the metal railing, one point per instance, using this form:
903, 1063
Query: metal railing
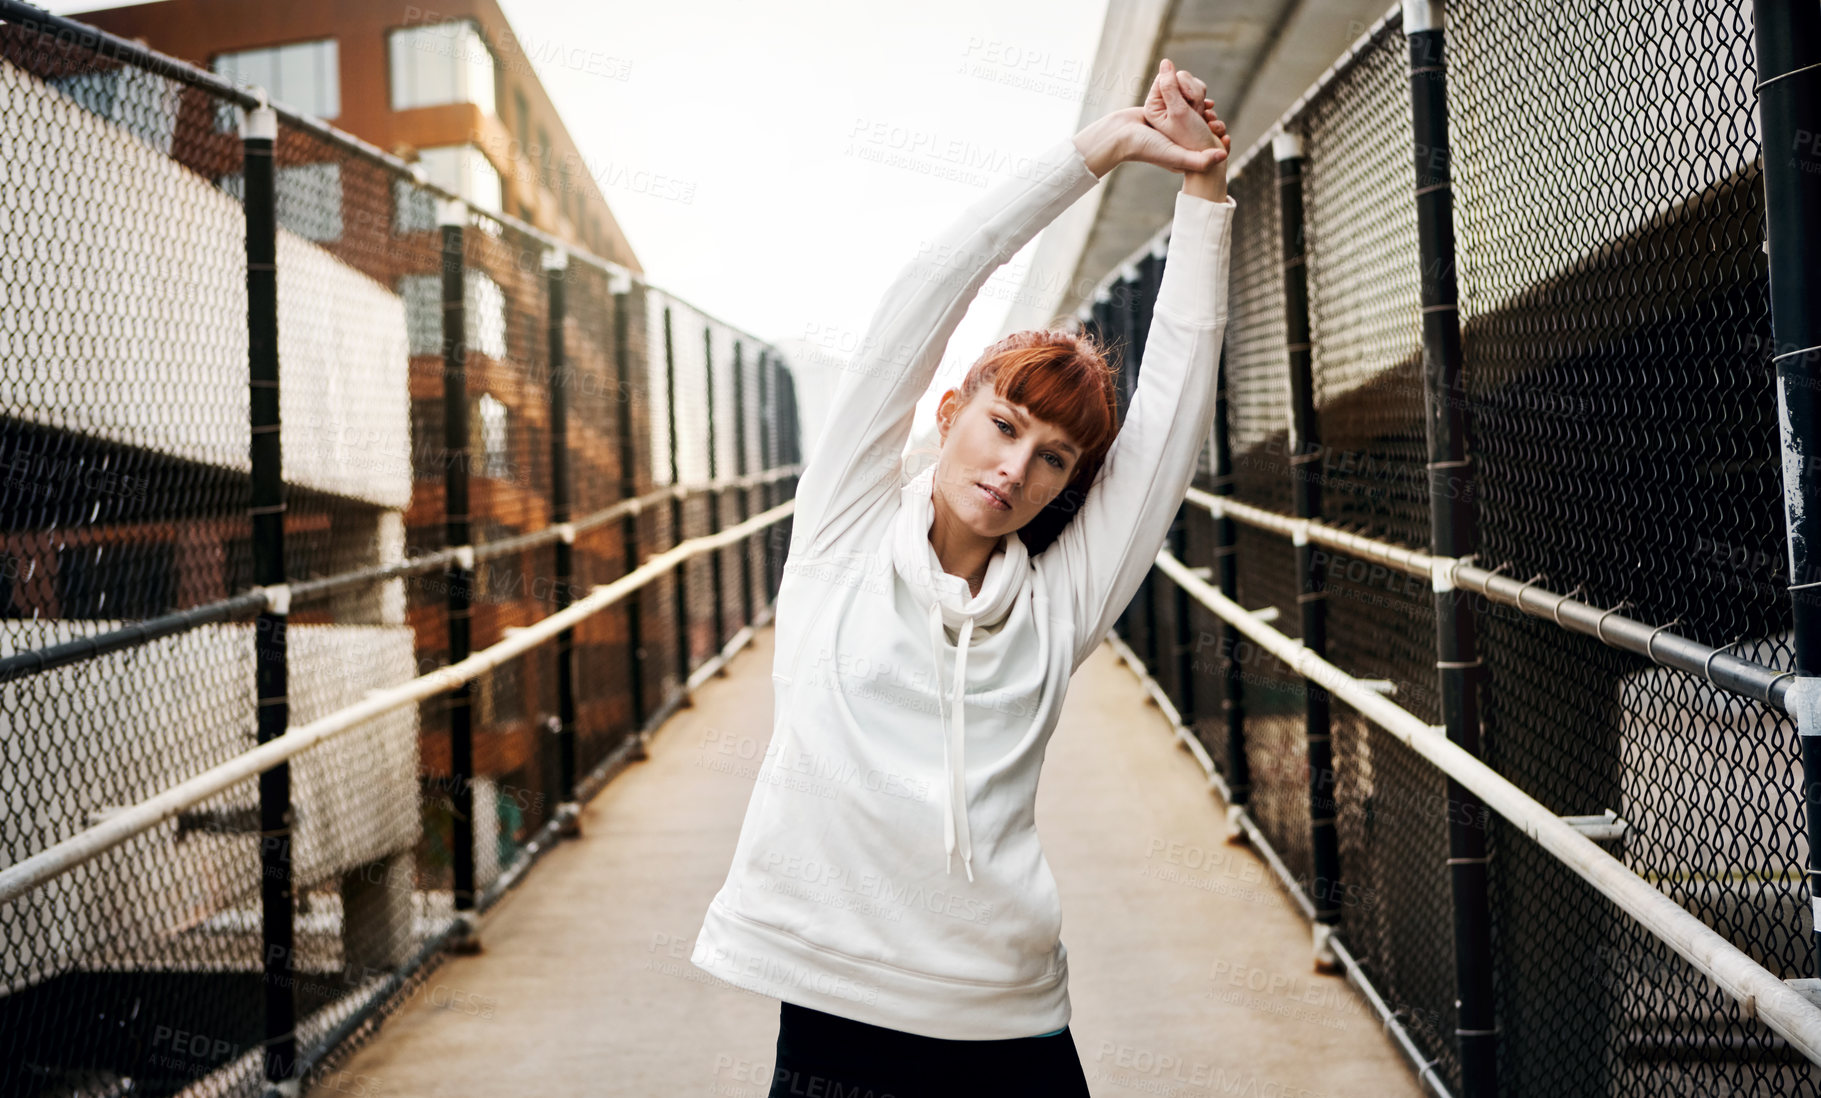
1490, 613
353, 536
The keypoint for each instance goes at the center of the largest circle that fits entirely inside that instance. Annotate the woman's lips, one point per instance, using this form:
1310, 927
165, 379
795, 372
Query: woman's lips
992, 500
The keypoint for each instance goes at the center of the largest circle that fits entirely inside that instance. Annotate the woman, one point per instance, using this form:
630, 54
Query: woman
926, 633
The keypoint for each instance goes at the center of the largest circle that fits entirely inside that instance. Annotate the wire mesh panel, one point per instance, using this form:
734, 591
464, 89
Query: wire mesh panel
505, 294
1621, 408
1256, 375
124, 439
666, 599
345, 346
595, 329
1253, 364
1364, 319
1615, 305
127, 435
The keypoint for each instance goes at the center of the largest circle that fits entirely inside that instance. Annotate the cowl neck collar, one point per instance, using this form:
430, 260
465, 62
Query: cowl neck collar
916, 561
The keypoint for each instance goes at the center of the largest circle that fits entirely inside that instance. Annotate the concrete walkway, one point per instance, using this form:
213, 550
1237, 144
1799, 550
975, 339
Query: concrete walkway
1189, 968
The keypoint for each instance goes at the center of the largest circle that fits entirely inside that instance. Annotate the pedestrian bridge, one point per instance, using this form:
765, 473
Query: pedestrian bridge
397, 743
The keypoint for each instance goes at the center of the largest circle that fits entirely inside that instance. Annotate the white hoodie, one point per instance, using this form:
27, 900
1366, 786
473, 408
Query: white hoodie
889, 868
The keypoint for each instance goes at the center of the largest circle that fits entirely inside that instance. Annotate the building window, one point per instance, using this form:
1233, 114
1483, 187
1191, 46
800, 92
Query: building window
138, 102
308, 198
483, 305
441, 63
489, 441
426, 452
413, 207
465, 170
304, 76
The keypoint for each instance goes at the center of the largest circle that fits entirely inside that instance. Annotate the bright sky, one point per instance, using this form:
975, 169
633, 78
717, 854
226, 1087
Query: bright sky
796, 218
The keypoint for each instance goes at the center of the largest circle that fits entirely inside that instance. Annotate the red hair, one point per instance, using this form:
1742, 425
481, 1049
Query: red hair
1064, 378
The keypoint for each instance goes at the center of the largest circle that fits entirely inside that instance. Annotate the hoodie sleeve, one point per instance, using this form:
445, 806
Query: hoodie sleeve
858, 453
1113, 540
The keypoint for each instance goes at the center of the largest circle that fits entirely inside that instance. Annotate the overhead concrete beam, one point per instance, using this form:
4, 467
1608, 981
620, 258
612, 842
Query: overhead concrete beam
1257, 59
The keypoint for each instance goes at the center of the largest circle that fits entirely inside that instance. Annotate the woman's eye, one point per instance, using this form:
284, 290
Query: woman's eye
1054, 460
1004, 426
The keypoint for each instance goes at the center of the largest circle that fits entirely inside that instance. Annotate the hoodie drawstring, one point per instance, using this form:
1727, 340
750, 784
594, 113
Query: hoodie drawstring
955, 832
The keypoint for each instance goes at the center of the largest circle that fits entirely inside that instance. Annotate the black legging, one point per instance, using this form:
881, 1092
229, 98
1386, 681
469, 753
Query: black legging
825, 1054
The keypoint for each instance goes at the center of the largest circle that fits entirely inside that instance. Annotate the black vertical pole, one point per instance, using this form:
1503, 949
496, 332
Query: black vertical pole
259, 135
1226, 571
789, 446
1453, 532
621, 288
1305, 476
555, 270
740, 469
679, 580
715, 500
1789, 104
766, 461
1100, 322
453, 217
1182, 643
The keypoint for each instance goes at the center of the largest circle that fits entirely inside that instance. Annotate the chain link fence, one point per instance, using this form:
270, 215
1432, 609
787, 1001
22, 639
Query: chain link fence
1609, 221
605, 422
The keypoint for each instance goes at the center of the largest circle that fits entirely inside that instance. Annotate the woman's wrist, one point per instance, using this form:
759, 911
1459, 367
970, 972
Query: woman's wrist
1211, 184
1099, 144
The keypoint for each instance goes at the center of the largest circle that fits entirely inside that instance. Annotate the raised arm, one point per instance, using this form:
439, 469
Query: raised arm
1110, 546
856, 459
1114, 538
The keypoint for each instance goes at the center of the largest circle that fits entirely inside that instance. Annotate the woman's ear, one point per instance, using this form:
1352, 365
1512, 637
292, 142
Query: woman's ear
946, 408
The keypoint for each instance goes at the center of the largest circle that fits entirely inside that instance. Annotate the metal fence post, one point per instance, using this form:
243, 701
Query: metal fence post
1182, 643
1305, 477
259, 135
452, 216
767, 460
680, 574
1789, 104
789, 446
621, 287
740, 469
1453, 532
556, 262
717, 582
1226, 571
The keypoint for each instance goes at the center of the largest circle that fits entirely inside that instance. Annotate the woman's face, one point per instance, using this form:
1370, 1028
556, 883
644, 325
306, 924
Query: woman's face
994, 448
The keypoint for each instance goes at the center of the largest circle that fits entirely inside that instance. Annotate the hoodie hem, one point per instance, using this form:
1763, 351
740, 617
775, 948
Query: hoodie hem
770, 961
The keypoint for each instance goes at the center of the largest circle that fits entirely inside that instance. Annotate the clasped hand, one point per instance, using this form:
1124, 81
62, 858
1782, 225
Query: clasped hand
1176, 128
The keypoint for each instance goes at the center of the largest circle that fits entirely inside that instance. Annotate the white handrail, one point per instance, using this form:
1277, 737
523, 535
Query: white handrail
1761, 992
16, 880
